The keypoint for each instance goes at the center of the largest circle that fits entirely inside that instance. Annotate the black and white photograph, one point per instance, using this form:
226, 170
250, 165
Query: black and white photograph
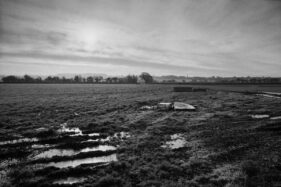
140, 93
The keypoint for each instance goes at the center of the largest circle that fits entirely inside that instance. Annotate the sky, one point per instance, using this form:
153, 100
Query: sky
120, 37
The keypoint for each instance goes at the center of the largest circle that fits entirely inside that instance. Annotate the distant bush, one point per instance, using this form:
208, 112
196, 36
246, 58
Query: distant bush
146, 77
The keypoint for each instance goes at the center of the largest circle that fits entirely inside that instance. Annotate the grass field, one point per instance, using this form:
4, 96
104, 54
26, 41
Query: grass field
219, 144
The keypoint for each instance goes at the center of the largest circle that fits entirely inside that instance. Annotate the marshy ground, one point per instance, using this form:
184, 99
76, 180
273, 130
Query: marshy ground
97, 135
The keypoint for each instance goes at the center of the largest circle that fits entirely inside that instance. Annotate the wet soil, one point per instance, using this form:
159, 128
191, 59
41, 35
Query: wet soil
226, 141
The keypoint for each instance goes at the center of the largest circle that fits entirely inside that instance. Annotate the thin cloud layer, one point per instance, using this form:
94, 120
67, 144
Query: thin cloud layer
195, 37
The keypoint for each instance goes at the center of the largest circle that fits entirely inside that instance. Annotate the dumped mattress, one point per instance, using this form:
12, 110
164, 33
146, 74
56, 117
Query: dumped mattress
165, 106
183, 106
179, 106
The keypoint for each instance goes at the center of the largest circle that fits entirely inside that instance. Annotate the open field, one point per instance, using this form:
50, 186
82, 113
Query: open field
231, 139
245, 87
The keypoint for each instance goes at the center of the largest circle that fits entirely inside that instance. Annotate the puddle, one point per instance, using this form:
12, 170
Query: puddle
75, 130
75, 163
22, 140
122, 135
118, 135
94, 134
40, 146
99, 148
177, 141
92, 140
70, 152
55, 152
259, 116
69, 180
275, 118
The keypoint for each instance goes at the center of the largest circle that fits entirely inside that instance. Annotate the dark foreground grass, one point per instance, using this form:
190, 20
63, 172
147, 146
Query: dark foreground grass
225, 146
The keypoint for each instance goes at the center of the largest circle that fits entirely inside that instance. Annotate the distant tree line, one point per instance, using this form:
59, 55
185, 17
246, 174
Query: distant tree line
237, 80
129, 79
142, 78
223, 80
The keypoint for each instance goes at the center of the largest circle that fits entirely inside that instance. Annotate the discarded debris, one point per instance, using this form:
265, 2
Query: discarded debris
170, 106
164, 106
183, 106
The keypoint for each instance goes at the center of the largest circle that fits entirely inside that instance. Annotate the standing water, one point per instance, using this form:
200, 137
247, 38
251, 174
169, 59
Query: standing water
74, 163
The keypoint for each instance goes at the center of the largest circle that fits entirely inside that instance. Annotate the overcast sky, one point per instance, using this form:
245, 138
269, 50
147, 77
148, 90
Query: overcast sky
194, 37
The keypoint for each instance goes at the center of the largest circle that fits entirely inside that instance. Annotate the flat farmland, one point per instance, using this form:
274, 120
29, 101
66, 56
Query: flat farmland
246, 88
97, 135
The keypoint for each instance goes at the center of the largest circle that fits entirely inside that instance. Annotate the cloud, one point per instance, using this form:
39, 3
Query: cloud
99, 60
208, 37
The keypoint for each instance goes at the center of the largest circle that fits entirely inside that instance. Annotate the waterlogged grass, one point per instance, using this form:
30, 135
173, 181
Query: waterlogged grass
219, 144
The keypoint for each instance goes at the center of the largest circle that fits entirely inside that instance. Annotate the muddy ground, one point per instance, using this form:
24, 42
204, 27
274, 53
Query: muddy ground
231, 139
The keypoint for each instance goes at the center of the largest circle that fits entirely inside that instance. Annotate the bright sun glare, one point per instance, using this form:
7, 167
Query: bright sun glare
89, 37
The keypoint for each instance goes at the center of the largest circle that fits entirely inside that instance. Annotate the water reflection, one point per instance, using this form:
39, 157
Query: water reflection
118, 135
69, 180
75, 130
177, 141
70, 152
259, 116
55, 152
75, 163
275, 118
22, 140
94, 134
